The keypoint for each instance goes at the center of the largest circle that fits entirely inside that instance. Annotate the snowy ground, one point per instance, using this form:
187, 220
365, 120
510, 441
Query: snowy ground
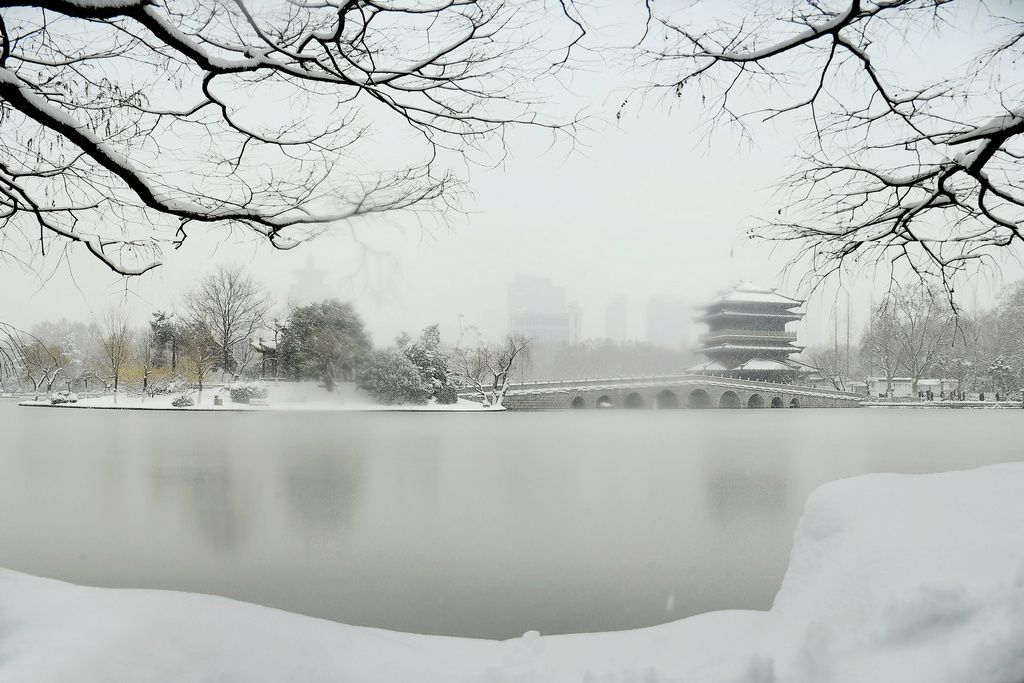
284, 396
1016, 405
898, 578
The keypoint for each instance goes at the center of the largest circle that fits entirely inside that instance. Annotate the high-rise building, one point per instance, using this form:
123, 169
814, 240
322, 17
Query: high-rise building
537, 310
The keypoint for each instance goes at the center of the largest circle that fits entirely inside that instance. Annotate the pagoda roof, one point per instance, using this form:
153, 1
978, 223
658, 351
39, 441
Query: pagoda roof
723, 348
753, 365
749, 293
764, 364
729, 313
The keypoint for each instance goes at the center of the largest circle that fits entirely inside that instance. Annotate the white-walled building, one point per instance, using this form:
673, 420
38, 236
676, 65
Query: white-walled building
902, 387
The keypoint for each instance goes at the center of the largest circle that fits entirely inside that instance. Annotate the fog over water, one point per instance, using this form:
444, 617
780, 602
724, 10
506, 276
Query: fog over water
484, 525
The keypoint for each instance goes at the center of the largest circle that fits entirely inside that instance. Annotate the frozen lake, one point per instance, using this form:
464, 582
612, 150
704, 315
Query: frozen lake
483, 525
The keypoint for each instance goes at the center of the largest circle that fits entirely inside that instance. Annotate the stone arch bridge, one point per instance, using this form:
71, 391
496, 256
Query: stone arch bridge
674, 391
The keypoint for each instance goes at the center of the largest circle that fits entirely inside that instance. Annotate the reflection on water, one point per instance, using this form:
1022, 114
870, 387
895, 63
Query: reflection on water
480, 525
322, 490
742, 495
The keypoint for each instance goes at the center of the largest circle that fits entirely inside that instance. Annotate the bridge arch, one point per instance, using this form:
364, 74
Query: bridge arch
730, 399
634, 400
777, 402
794, 402
666, 399
605, 402
755, 401
699, 398
578, 403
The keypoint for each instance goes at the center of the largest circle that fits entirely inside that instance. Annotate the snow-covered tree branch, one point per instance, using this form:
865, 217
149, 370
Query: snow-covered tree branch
125, 125
905, 160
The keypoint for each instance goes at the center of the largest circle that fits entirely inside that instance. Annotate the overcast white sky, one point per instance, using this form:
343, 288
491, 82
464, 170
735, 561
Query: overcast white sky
645, 207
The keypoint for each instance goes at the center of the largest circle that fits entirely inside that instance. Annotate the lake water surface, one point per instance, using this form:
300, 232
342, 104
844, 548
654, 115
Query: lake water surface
484, 525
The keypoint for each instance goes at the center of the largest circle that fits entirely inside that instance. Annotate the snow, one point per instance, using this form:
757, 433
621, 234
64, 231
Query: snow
892, 578
290, 396
998, 125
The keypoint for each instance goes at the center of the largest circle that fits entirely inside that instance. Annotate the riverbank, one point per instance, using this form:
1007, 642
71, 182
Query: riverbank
892, 577
208, 404
284, 396
942, 404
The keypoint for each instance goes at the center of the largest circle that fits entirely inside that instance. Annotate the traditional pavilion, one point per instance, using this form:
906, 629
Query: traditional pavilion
747, 336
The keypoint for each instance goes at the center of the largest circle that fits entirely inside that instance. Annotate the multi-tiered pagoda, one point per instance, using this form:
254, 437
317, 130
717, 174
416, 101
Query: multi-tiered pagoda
747, 336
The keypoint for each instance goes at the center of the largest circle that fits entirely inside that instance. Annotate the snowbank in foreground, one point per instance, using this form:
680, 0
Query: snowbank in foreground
892, 578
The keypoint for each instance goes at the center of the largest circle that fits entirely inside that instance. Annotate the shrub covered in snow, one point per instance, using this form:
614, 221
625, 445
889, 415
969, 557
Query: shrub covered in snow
166, 387
446, 395
63, 397
391, 379
243, 392
183, 401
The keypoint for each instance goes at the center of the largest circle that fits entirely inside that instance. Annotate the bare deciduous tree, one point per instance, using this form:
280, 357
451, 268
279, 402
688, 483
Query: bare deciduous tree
116, 341
925, 327
880, 346
231, 306
199, 353
488, 368
899, 168
124, 125
144, 354
910, 332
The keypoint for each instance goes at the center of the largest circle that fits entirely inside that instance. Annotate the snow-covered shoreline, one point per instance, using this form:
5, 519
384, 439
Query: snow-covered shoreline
949, 405
288, 403
891, 578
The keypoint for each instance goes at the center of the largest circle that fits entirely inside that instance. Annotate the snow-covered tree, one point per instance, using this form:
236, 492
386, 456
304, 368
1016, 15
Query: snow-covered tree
126, 125
74, 364
488, 369
323, 341
392, 379
166, 334
42, 364
1004, 377
910, 157
429, 358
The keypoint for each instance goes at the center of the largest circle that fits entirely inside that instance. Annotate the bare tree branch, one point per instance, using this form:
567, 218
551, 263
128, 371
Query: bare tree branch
124, 125
926, 175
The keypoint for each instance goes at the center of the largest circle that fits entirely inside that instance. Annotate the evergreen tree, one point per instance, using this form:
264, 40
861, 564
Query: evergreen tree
426, 354
391, 379
323, 341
